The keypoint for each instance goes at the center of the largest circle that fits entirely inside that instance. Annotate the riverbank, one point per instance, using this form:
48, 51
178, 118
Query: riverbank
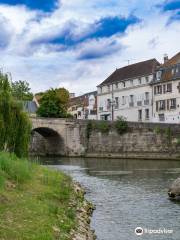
37, 203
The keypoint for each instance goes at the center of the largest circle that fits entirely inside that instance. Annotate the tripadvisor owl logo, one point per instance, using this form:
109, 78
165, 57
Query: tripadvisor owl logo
139, 231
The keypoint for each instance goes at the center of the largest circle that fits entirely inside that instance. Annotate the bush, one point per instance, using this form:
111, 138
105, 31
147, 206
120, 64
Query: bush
121, 125
157, 130
103, 126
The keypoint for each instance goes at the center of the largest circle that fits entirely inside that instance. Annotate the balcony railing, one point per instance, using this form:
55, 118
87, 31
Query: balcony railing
146, 102
139, 103
131, 104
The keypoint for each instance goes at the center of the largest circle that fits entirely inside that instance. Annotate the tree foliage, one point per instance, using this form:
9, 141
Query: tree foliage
21, 91
15, 126
54, 103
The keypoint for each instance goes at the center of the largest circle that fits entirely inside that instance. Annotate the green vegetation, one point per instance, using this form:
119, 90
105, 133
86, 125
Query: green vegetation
178, 142
54, 103
121, 125
15, 126
168, 134
157, 130
36, 203
21, 91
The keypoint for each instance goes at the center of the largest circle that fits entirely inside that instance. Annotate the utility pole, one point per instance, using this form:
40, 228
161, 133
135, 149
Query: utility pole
112, 104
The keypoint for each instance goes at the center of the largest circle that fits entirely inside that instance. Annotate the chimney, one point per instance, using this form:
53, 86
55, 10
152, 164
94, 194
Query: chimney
165, 58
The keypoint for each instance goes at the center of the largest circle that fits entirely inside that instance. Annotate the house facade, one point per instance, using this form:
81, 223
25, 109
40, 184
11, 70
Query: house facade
84, 106
166, 91
127, 93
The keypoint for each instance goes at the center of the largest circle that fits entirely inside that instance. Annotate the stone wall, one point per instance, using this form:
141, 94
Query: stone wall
142, 140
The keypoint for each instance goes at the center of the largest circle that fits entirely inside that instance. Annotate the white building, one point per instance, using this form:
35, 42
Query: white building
166, 91
84, 107
127, 92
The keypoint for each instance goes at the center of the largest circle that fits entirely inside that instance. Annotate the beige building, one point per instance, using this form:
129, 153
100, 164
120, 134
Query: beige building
166, 91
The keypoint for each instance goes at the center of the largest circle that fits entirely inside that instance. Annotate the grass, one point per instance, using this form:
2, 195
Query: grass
36, 203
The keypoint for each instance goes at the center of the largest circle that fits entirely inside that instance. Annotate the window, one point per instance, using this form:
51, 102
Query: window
161, 117
139, 80
131, 101
147, 95
116, 102
147, 79
162, 105
100, 90
139, 115
131, 82
124, 84
164, 88
146, 101
169, 87
147, 114
159, 89
108, 87
131, 98
158, 75
173, 103
116, 85
123, 100
108, 104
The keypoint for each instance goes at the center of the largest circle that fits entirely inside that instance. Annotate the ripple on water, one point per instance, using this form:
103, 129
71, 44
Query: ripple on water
128, 194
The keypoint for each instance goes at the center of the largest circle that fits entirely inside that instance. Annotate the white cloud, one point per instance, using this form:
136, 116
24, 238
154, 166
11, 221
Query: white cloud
45, 66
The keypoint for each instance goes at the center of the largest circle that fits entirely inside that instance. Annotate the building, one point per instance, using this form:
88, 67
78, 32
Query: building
30, 107
127, 92
84, 106
166, 91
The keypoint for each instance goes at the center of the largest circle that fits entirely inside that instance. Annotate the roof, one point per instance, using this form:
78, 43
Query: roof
174, 60
132, 71
81, 100
30, 106
166, 68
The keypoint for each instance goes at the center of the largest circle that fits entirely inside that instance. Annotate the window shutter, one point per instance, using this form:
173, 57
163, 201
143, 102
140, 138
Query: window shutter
155, 90
164, 88
168, 104
156, 106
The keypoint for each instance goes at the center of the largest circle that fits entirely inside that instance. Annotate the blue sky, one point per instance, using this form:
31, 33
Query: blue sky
78, 43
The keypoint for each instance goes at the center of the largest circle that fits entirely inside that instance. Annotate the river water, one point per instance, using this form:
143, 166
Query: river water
127, 194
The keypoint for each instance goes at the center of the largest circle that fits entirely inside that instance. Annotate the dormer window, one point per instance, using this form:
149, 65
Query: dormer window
158, 75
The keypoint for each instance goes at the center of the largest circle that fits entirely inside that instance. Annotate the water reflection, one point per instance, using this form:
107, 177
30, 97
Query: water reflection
127, 194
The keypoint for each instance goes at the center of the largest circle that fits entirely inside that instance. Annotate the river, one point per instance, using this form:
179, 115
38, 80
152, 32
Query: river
127, 194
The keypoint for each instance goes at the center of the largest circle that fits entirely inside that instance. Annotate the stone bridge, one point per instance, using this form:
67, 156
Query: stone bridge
56, 137
68, 137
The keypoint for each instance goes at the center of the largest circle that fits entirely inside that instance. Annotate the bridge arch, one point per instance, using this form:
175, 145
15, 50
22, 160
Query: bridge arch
46, 141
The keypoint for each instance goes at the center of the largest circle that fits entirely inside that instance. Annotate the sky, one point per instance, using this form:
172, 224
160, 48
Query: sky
77, 44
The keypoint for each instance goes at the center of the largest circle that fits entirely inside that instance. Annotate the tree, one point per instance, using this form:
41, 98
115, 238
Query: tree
15, 126
21, 91
54, 103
